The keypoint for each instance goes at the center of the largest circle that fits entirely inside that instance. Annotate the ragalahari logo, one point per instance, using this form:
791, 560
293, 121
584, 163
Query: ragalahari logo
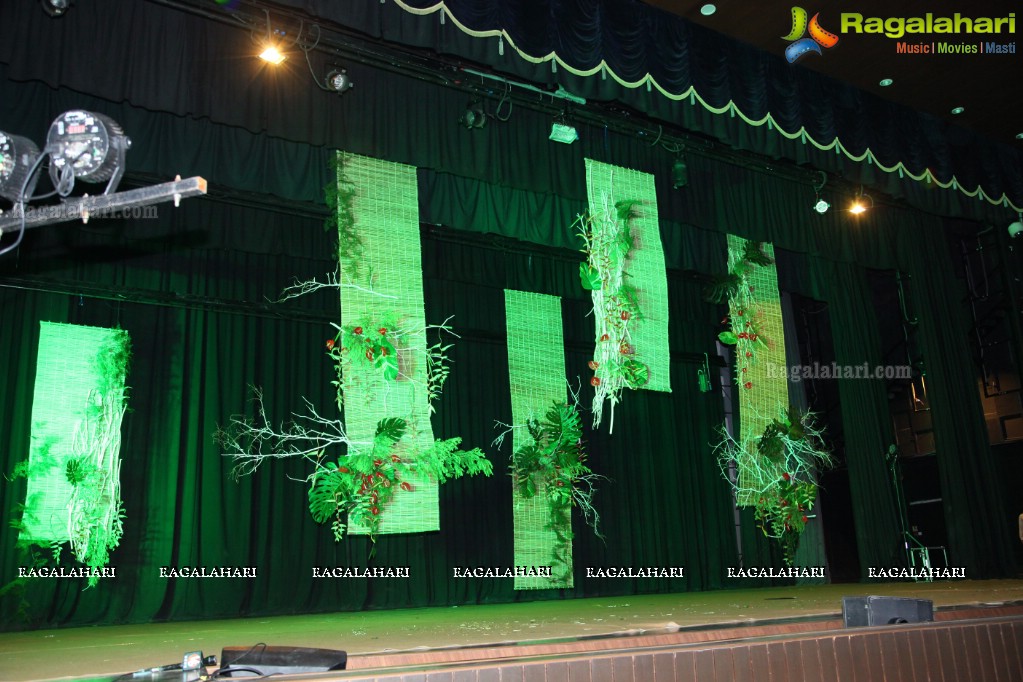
801, 46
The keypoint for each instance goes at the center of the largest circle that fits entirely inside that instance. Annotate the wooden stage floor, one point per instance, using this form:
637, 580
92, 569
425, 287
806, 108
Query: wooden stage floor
383, 638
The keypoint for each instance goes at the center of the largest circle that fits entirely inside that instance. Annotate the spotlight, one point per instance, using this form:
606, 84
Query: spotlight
338, 81
1016, 228
55, 8
861, 203
564, 133
18, 156
272, 55
821, 206
473, 116
92, 146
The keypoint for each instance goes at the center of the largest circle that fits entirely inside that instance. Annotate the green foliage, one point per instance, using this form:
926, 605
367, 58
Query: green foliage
339, 196
553, 460
590, 277
753, 253
777, 470
728, 338
722, 287
359, 486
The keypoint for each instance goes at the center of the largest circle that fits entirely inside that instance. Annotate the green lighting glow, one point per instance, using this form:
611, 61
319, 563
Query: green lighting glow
73, 470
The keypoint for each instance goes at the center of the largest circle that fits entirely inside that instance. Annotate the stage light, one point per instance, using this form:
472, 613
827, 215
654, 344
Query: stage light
91, 145
55, 8
564, 133
885, 82
338, 81
958, 110
857, 207
272, 55
473, 116
18, 156
708, 9
818, 186
679, 173
1016, 228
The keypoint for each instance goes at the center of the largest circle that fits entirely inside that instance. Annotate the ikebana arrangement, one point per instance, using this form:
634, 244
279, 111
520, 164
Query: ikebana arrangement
775, 468
551, 463
777, 471
607, 241
385, 371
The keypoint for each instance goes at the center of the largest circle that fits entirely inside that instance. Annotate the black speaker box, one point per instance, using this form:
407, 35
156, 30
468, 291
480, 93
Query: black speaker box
862, 611
269, 660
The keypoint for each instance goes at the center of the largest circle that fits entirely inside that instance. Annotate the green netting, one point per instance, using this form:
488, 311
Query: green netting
645, 271
767, 395
536, 368
73, 487
388, 285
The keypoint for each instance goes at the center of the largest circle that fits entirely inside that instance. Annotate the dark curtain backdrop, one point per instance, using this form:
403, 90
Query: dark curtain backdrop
192, 288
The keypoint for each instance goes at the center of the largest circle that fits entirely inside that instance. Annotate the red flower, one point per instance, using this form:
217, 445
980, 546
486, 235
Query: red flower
343, 470
805, 519
380, 474
560, 484
742, 312
375, 510
749, 354
593, 364
357, 330
784, 503
626, 315
605, 337
744, 369
377, 462
626, 349
369, 354
785, 476
405, 485
383, 331
330, 344
752, 337
395, 458
748, 385
595, 381
383, 351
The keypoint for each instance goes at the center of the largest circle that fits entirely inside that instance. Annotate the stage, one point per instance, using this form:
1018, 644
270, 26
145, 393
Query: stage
475, 642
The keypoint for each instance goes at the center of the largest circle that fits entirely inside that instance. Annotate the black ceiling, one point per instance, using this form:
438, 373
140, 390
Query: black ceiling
986, 85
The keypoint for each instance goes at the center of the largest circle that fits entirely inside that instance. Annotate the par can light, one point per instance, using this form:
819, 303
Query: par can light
18, 156
91, 145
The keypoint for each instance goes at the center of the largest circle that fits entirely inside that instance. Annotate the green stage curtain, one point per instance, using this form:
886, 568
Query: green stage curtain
980, 524
864, 410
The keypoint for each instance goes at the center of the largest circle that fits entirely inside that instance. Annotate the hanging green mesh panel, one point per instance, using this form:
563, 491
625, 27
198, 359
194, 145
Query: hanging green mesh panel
644, 270
73, 487
387, 273
763, 394
536, 368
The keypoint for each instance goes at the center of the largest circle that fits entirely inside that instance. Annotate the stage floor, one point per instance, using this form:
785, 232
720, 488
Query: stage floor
93, 652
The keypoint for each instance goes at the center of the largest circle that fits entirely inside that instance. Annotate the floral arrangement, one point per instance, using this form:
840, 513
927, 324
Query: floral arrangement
745, 318
553, 462
607, 241
383, 347
358, 487
777, 470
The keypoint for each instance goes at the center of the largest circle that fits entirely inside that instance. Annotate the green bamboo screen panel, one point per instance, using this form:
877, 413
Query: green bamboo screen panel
768, 396
389, 282
645, 268
73, 487
536, 367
